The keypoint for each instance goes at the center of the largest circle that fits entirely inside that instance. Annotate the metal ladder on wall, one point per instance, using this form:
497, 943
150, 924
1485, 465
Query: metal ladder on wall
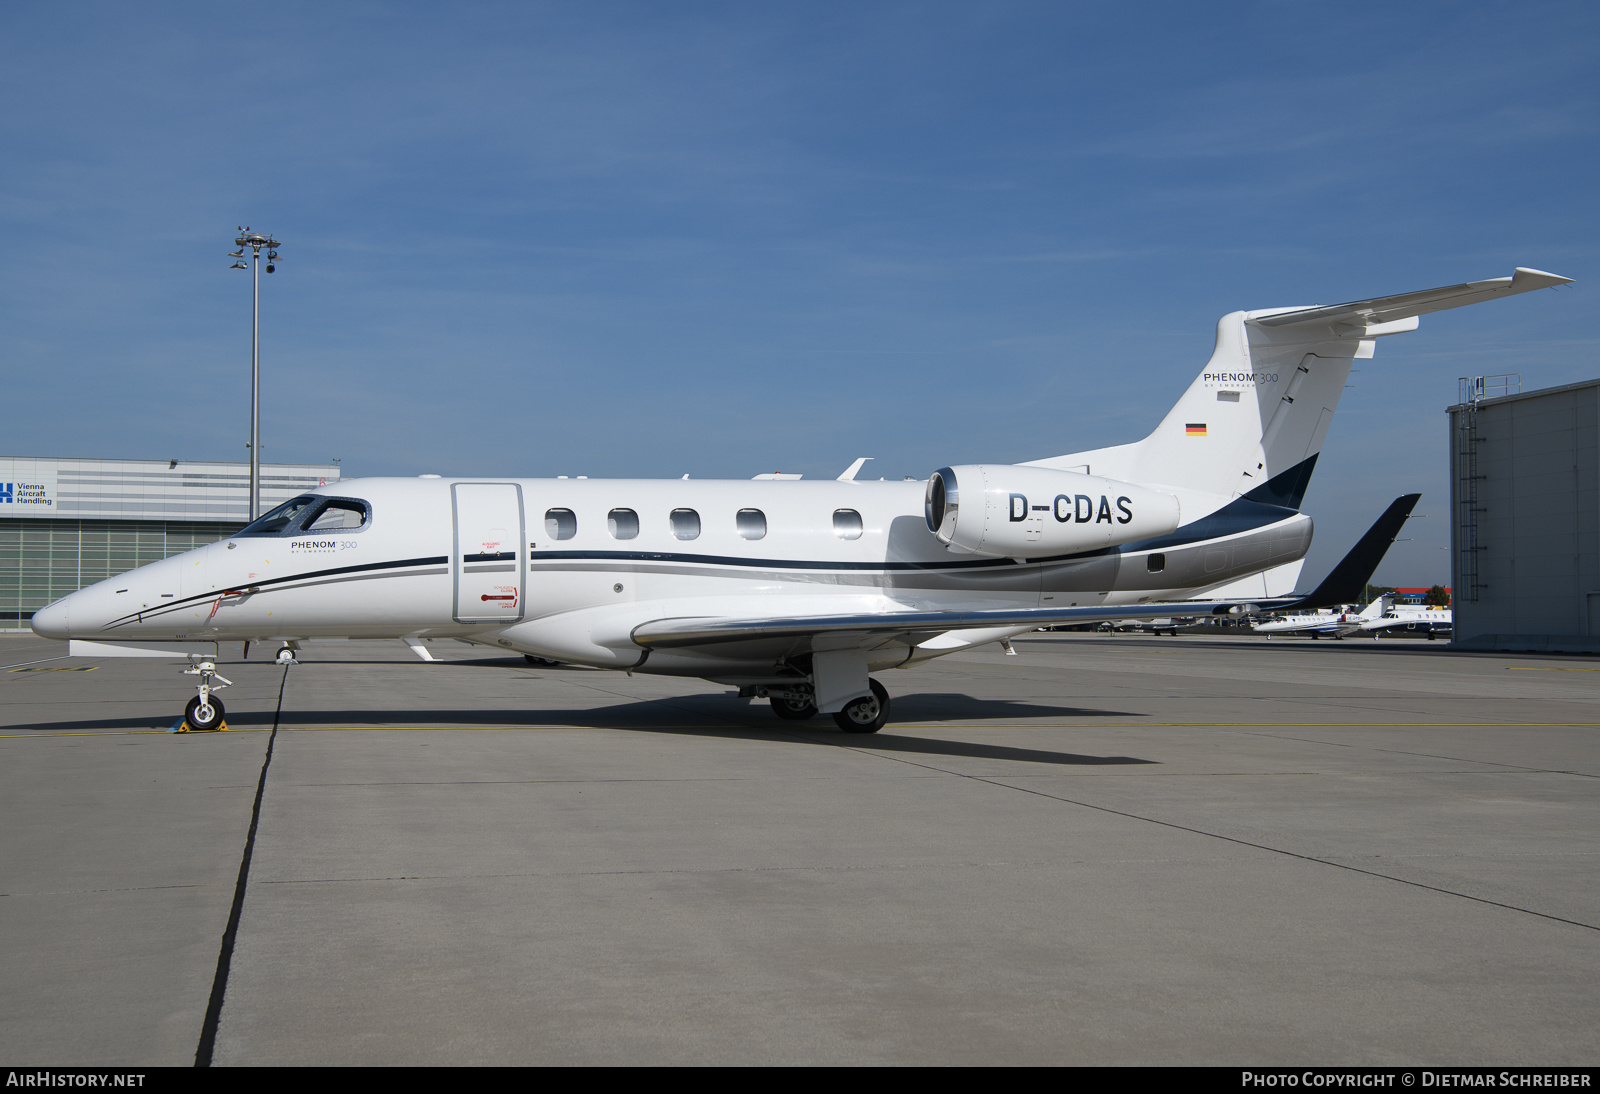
1472, 391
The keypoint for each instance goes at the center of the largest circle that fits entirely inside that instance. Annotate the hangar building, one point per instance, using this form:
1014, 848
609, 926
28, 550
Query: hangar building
1525, 534
67, 523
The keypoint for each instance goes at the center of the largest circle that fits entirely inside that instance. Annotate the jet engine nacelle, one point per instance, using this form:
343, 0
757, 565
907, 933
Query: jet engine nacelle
1035, 512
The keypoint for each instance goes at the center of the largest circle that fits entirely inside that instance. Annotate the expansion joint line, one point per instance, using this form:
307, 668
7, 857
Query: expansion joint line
219, 983
867, 750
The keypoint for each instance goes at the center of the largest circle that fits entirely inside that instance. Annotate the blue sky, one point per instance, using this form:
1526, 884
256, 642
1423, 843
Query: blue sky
718, 239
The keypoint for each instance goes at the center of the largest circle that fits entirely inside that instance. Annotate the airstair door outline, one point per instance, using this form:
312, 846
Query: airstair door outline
487, 560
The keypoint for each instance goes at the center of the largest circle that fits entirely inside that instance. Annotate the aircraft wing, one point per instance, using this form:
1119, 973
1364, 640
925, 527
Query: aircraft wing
874, 630
1390, 309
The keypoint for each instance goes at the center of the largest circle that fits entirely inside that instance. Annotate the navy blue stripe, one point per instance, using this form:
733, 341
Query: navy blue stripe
1287, 489
763, 563
1239, 515
438, 560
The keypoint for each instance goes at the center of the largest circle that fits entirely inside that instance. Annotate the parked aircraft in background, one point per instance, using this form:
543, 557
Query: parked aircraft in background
1167, 625
795, 591
1411, 618
1379, 617
1335, 624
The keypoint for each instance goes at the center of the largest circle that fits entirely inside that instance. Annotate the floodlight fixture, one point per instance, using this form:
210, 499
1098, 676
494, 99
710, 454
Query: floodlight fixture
255, 241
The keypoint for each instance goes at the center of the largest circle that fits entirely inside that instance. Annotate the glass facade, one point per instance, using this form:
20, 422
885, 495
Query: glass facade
43, 560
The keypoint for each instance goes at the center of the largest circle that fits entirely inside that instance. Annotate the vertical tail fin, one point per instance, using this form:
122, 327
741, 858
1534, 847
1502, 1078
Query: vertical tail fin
1252, 423
1377, 608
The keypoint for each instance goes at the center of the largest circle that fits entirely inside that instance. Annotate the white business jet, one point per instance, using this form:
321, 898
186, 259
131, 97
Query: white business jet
1414, 618
791, 590
1323, 624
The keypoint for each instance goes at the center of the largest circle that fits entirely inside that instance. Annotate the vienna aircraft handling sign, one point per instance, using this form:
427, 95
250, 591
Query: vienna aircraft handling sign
27, 490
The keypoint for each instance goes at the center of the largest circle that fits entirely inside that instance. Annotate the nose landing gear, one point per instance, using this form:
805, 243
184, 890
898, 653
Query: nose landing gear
204, 712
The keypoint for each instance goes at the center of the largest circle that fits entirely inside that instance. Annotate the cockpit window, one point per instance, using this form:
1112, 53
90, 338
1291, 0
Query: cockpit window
270, 524
337, 515
311, 513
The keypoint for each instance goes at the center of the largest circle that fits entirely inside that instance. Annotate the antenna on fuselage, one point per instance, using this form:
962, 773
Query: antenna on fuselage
850, 472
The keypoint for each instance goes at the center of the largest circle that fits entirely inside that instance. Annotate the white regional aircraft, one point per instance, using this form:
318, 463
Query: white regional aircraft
796, 591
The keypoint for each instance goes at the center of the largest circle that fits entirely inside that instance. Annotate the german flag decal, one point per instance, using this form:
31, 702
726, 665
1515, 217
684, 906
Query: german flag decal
1195, 429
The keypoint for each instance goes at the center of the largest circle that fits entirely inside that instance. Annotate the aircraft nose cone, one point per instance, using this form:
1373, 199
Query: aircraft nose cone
51, 620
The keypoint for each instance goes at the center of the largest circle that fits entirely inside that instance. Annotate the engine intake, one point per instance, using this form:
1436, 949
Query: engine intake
1035, 512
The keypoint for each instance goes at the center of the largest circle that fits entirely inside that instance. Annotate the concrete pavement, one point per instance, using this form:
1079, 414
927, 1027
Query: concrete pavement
1109, 849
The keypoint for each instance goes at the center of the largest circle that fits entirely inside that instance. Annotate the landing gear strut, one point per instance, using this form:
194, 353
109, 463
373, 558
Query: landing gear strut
204, 711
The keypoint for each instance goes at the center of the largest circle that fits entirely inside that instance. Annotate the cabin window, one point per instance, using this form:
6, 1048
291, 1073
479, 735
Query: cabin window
270, 524
847, 524
685, 524
1155, 563
338, 516
622, 523
752, 523
560, 523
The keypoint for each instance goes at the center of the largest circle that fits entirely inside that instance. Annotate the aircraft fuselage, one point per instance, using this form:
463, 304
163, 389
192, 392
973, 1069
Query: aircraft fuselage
565, 568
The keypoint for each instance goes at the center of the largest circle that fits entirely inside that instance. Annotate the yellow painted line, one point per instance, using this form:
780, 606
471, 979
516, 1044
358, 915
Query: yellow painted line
949, 725
85, 733
331, 729
862, 741
1225, 725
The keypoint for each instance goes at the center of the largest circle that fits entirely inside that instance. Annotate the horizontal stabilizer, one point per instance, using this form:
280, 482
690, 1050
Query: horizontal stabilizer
1390, 309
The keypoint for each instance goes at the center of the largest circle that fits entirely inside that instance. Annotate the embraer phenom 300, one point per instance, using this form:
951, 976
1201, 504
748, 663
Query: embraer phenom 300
790, 590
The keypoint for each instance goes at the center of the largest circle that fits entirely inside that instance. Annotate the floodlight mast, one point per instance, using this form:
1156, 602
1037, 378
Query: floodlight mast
255, 241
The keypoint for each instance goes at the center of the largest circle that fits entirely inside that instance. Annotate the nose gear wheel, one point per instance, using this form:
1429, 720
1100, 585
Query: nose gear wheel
203, 716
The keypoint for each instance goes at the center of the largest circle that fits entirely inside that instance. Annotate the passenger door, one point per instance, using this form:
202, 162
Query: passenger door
488, 561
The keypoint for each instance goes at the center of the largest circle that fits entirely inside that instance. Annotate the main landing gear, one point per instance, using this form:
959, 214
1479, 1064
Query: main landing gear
793, 710
864, 715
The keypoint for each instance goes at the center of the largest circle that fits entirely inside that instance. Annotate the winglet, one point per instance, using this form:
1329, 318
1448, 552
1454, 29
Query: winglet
1347, 582
1536, 279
